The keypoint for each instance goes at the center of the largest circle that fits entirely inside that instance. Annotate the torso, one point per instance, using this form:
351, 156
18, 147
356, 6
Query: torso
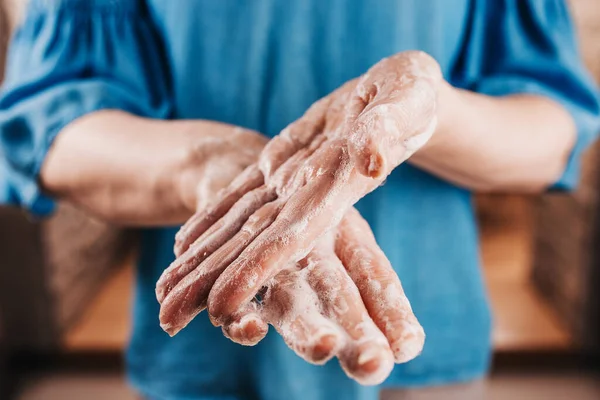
260, 65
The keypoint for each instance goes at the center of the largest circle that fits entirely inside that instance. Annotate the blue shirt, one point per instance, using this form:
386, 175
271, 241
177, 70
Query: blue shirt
260, 64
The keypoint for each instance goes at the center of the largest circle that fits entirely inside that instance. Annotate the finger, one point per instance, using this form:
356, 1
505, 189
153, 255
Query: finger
386, 134
248, 180
379, 287
367, 159
367, 356
248, 327
398, 113
292, 307
189, 297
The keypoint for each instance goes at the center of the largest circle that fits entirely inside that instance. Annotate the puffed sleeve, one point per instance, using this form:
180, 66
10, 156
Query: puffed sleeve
529, 46
66, 59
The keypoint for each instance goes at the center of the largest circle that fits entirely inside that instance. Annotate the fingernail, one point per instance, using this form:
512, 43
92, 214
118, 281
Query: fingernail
370, 354
375, 165
374, 364
254, 329
169, 329
325, 348
409, 347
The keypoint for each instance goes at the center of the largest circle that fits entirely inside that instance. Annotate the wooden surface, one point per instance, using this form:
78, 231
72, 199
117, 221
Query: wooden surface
565, 268
106, 325
522, 319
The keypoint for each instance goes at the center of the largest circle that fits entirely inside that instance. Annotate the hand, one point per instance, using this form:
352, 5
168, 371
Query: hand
252, 207
344, 299
340, 150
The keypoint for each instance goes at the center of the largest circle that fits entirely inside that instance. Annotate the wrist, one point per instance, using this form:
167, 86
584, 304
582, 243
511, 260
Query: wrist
448, 101
178, 181
173, 182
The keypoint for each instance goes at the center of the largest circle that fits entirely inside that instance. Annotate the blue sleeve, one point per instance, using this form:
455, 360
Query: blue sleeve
69, 58
529, 46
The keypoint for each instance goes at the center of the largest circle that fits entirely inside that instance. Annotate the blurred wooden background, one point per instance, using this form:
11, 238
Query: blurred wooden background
565, 268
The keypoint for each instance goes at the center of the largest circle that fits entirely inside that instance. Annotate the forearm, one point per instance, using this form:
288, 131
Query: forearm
126, 169
484, 143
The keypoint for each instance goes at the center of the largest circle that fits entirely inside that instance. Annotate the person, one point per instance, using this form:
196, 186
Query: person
137, 111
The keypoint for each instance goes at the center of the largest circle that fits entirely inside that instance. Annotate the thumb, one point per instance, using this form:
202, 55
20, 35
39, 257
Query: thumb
391, 129
359, 126
393, 112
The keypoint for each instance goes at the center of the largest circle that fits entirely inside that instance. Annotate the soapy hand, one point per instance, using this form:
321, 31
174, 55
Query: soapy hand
259, 237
